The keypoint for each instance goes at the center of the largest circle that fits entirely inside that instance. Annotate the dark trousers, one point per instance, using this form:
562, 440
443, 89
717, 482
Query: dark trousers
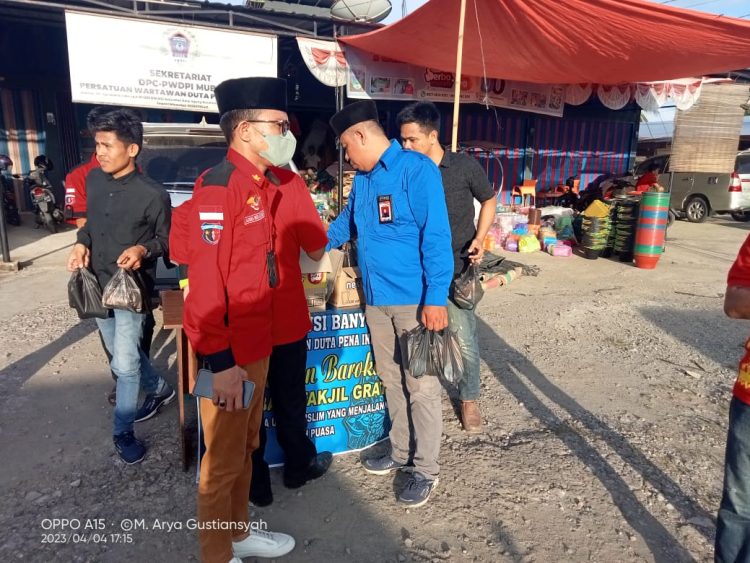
733, 523
146, 338
286, 383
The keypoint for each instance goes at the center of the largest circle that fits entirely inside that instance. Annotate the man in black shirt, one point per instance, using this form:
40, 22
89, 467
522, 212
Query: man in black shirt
127, 227
464, 181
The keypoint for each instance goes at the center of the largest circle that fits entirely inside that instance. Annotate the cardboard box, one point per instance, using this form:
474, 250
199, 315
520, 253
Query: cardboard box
347, 288
316, 289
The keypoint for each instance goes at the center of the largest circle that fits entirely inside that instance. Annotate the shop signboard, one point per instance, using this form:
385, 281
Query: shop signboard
128, 62
345, 404
377, 78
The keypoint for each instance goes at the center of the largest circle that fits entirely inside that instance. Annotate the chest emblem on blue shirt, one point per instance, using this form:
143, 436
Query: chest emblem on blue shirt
211, 232
385, 209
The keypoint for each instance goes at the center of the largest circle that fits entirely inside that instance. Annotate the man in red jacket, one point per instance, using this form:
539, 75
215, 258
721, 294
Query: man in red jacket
733, 522
75, 191
225, 237
297, 226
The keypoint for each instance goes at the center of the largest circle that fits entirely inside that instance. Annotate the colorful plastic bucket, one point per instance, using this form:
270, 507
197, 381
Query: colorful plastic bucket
651, 229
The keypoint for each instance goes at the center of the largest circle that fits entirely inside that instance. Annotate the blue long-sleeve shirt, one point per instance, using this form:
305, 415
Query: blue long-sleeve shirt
407, 260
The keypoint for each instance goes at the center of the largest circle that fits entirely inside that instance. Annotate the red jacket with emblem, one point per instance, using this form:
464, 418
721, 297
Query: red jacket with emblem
75, 188
223, 234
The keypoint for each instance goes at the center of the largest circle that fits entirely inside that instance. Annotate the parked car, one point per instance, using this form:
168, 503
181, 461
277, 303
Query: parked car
696, 195
175, 154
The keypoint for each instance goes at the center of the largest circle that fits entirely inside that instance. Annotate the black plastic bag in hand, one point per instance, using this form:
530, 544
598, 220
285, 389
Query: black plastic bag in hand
418, 346
85, 296
435, 353
451, 360
123, 292
467, 289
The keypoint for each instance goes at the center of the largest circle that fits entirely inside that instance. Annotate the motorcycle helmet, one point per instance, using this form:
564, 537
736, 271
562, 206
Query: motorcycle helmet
42, 161
5, 162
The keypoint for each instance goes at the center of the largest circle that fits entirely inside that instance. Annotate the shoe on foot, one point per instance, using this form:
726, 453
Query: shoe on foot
261, 496
235, 560
417, 490
263, 544
382, 465
112, 396
130, 449
153, 402
471, 417
317, 468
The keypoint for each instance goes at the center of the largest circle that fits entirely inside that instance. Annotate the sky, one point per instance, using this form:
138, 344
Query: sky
735, 8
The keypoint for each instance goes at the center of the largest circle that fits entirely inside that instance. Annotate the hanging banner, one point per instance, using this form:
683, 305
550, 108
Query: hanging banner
345, 404
577, 94
325, 60
127, 62
683, 93
614, 97
377, 78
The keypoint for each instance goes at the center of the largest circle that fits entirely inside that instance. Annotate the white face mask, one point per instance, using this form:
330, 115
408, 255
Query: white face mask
280, 148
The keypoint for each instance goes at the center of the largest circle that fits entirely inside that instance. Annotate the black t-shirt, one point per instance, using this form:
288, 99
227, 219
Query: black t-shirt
464, 180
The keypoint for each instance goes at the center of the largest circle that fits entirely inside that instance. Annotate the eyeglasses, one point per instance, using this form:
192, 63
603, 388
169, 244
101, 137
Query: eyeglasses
282, 123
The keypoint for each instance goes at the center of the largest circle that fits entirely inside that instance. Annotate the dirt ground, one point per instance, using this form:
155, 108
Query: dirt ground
605, 390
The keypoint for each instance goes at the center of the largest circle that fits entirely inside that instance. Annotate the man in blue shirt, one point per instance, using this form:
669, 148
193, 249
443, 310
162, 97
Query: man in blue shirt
397, 213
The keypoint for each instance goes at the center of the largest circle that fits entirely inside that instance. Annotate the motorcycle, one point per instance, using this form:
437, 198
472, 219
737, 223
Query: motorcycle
42, 197
10, 207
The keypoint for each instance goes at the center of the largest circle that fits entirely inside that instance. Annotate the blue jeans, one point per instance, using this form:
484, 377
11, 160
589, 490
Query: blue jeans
121, 334
733, 523
464, 323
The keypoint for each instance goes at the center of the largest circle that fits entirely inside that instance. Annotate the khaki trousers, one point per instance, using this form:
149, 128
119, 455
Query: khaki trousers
226, 467
413, 404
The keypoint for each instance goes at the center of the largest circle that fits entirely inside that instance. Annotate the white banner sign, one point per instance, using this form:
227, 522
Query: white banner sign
126, 62
373, 77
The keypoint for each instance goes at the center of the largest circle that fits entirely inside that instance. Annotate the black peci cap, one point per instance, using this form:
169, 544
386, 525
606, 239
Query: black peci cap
353, 114
251, 93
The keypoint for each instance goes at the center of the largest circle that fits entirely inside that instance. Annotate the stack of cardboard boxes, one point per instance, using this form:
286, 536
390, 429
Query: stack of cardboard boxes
331, 282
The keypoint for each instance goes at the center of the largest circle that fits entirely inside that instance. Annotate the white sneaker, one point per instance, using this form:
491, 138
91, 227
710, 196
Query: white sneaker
235, 560
263, 544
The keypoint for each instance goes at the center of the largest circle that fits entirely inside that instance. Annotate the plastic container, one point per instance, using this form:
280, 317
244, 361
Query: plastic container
560, 250
652, 225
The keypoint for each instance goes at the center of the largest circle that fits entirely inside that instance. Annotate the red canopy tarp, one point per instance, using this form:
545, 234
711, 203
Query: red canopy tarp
565, 41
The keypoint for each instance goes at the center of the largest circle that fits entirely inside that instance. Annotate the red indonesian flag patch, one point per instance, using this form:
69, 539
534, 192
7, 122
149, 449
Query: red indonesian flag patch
211, 224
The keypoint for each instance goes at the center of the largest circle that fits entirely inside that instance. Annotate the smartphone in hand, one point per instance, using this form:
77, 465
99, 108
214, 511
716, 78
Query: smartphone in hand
204, 387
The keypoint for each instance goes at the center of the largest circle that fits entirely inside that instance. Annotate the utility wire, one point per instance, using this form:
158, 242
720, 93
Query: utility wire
702, 3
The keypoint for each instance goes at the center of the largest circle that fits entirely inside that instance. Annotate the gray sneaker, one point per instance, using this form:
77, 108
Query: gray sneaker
417, 490
381, 465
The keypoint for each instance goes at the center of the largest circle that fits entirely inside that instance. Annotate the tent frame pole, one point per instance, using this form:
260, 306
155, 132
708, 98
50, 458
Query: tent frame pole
457, 91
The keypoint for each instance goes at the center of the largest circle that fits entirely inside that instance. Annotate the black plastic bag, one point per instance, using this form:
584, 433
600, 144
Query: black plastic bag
467, 289
451, 360
124, 292
418, 346
85, 296
435, 353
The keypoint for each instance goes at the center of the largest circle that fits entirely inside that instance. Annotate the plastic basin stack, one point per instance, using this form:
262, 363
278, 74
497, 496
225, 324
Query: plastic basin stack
652, 226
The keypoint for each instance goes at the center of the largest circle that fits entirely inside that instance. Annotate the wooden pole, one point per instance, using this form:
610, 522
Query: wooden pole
459, 60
